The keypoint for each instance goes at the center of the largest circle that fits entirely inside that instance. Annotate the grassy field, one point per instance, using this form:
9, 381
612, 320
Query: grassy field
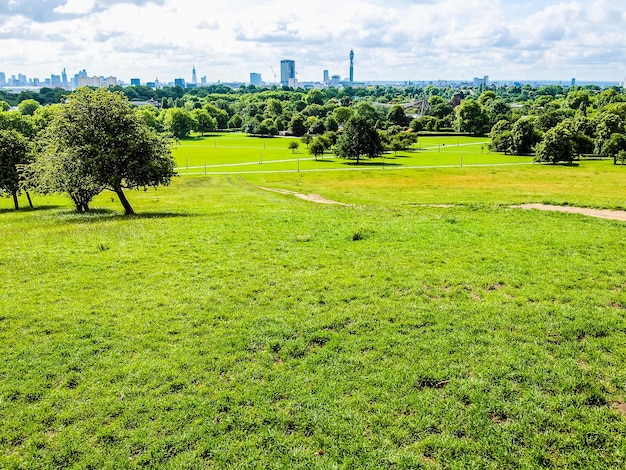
233, 152
230, 327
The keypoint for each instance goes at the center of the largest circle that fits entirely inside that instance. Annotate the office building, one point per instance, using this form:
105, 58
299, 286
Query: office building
179, 82
287, 71
64, 77
55, 80
326, 77
194, 78
135, 82
3, 79
255, 79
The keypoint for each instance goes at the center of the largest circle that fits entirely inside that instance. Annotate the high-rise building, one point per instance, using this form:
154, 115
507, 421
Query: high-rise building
64, 77
179, 82
351, 65
326, 76
203, 80
3, 79
55, 80
135, 82
111, 81
573, 82
287, 71
255, 79
194, 78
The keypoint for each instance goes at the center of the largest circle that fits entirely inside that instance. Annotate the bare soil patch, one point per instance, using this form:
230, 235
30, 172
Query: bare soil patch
600, 213
307, 197
619, 407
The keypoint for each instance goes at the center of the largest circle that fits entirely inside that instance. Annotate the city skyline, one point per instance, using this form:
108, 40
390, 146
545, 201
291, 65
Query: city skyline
408, 40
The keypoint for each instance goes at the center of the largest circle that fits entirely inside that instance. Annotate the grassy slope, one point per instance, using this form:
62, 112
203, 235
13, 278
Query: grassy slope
229, 326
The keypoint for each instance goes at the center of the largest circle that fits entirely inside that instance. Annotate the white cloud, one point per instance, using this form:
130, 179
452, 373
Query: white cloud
397, 39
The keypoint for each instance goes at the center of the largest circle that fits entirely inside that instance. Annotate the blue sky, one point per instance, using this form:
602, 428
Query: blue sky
393, 39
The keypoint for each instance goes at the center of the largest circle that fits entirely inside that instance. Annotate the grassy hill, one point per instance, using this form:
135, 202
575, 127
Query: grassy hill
228, 326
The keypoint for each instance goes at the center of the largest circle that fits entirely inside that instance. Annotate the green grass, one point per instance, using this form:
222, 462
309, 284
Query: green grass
235, 152
230, 327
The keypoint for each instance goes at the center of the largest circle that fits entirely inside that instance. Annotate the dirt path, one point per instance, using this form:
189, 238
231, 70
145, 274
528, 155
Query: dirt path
307, 197
601, 213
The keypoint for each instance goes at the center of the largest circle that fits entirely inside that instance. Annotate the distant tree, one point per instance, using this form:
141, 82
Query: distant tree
306, 139
366, 111
4, 106
397, 116
13, 152
316, 148
342, 114
179, 122
96, 141
359, 140
204, 122
524, 137
556, 146
472, 118
293, 146
297, 126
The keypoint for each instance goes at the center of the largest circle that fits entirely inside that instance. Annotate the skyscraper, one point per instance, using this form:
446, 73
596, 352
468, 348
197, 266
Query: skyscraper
326, 76
351, 65
287, 71
255, 79
64, 77
194, 78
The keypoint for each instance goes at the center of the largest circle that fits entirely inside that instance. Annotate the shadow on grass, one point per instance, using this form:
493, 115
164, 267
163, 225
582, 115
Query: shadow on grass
29, 209
97, 215
368, 163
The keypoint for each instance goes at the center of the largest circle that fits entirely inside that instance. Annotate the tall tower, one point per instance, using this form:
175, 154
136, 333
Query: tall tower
64, 77
351, 65
194, 78
287, 72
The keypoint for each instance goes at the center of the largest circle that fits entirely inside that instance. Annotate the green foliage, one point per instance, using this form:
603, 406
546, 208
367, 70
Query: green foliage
203, 121
4, 106
556, 146
14, 151
179, 122
472, 118
293, 146
397, 116
359, 140
317, 147
96, 141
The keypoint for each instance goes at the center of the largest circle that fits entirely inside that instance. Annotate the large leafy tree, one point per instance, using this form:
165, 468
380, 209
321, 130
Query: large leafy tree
472, 118
359, 140
96, 141
557, 145
13, 153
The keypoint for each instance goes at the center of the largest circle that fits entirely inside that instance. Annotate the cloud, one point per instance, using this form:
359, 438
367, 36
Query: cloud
392, 39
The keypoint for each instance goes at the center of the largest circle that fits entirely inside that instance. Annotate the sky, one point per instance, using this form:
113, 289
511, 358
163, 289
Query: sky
408, 40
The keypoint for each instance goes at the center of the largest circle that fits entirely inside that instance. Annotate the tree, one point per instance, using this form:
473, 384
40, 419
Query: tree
293, 146
359, 140
472, 118
13, 152
306, 139
179, 122
524, 136
397, 116
556, 146
28, 107
204, 122
317, 148
96, 142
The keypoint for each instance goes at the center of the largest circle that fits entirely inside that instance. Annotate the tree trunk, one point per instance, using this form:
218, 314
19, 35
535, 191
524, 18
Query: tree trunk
15, 201
30, 202
128, 210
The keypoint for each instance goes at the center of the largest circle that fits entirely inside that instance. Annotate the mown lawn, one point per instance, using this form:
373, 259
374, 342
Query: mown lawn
235, 152
230, 327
